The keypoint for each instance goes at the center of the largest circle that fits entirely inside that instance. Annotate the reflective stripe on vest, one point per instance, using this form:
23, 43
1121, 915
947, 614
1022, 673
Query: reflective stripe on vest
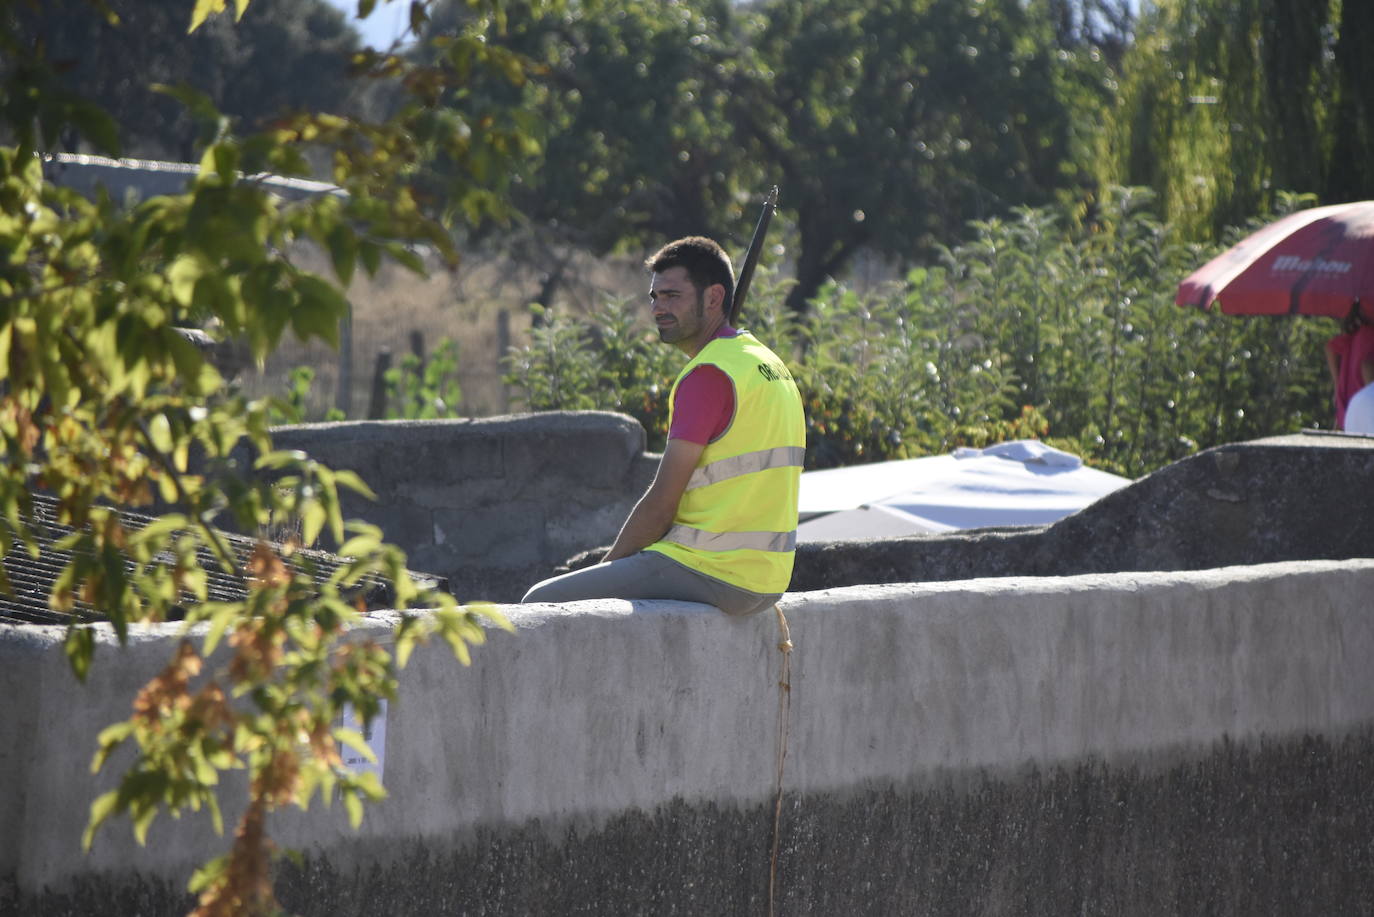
731, 541
748, 463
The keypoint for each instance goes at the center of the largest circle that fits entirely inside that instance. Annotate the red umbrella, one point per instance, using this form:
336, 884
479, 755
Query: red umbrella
1313, 262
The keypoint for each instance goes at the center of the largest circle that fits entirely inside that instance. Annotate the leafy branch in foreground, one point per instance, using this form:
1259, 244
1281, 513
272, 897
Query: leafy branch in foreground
104, 403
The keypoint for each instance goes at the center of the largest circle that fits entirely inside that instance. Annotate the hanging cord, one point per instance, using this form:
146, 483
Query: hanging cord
784, 716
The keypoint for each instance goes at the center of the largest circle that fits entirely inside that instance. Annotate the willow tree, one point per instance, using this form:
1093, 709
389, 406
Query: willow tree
1226, 103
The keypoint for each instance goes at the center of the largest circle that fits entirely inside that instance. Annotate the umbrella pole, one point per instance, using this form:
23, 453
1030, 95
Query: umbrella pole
1287, 359
1221, 382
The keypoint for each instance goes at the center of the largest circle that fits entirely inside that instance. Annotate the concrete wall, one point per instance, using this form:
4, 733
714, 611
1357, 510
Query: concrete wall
495, 505
141, 179
492, 505
1131, 743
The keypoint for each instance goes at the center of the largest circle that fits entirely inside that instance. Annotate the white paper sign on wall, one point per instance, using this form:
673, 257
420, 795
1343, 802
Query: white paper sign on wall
374, 734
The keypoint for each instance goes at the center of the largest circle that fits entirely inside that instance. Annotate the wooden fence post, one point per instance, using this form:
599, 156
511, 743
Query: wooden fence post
502, 348
343, 394
376, 408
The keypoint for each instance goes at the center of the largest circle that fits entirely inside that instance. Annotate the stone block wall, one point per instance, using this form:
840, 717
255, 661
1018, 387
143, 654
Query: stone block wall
492, 505
1298, 497
495, 505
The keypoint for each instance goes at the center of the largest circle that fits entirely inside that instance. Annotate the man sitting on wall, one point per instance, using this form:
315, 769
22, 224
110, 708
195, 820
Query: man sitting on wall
718, 523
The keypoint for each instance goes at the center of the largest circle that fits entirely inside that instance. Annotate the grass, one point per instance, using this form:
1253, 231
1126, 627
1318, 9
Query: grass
483, 307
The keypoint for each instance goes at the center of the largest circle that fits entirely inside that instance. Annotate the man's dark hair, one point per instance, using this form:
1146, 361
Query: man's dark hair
705, 261
1353, 319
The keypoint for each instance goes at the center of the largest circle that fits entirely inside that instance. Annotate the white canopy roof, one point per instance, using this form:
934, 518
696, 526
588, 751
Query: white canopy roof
1023, 482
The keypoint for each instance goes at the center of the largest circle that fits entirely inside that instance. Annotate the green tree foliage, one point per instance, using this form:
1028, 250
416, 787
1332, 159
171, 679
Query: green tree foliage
1350, 175
1037, 327
1104, 26
103, 404
611, 362
892, 124
281, 56
888, 125
1224, 103
636, 145
424, 389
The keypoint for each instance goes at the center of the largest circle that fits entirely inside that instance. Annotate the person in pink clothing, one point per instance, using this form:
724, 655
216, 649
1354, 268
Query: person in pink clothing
1350, 357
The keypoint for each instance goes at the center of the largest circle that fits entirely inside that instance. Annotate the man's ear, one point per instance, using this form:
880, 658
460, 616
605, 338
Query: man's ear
715, 297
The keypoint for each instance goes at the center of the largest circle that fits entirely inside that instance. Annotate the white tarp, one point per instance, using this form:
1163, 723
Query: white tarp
1023, 482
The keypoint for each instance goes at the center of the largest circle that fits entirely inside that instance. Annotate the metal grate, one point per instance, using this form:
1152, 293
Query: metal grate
32, 578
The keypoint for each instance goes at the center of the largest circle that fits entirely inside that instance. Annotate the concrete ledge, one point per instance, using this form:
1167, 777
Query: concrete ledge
1047, 745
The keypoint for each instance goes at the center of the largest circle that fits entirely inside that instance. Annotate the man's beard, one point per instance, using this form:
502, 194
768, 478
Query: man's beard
675, 332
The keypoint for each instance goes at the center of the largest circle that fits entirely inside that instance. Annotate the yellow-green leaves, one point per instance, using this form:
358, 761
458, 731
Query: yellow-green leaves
318, 310
343, 249
363, 786
160, 432
204, 9
106, 402
80, 646
183, 275
104, 806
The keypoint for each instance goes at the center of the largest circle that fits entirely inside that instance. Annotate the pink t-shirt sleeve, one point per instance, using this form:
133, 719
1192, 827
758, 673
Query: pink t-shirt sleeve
703, 405
1362, 344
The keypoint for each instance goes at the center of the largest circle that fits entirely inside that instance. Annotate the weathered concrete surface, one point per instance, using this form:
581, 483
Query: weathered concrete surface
1135, 743
494, 504
1299, 497
1240, 831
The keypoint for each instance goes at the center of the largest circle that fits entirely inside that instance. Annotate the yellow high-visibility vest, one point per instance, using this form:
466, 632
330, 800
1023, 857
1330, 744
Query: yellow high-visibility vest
737, 521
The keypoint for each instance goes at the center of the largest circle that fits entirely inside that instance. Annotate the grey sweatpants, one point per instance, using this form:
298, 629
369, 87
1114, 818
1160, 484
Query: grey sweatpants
648, 575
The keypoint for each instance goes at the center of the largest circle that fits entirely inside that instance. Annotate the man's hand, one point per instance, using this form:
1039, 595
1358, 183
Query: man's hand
654, 512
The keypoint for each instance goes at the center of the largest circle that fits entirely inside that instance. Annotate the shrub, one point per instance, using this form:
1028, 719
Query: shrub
1040, 326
